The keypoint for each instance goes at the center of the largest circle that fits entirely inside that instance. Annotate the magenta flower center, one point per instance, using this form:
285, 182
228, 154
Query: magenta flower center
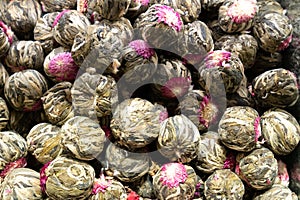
143, 2
142, 48
7, 31
285, 43
242, 10
43, 177
100, 185
172, 174
218, 58
13, 165
58, 17
169, 16
257, 129
176, 87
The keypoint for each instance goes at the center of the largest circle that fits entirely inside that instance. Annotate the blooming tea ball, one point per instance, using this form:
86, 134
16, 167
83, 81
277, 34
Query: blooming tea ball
49, 6
82, 137
277, 192
67, 25
175, 181
273, 32
21, 16
160, 26
236, 16
239, 128
259, 169
25, 55
221, 67
23, 90
13, 150
126, 166
107, 187
280, 130
224, 184
211, 153
21, 183
178, 139
44, 142
136, 122
276, 88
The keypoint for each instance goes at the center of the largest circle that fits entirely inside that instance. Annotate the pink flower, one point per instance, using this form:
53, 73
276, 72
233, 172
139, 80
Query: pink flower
101, 184
218, 58
230, 161
43, 177
207, 111
63, 67
169, 16
13, 165
176, 87
242, 11
58, 17
257, 129
142, 48
285, 43
163, 115
172, 174
8, 32
143, 2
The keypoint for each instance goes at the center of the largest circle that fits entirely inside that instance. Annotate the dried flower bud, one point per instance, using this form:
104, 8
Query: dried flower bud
236, 16
277, 192
138, 62
22, 183
25, 55
59, 66
107, 187
13, 147
273, 32
211, 153
276, 88
224, 184
244, 45
57, 5
57, 103
6, 38
77, 134
221, 67
43, 31
124, 165
259, 169
178, 139
23, 90
136, 122
199, 108
65, 178
239, 128
280, 130
175, 180
44, 142
21, 16
160, 26
67, 25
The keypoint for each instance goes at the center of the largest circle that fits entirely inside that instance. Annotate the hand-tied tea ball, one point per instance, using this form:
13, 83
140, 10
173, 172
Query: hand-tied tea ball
160, 26
239, 128
178, 139
59, 66
259, 169
277, 192
67, 25
269, 6
4, 114
65, 178
136, 122
138, 62
224, 184
211, 153
23, 90
175, 181
21, 16
107, 187
237, 15
199, 108
25, 55
6, 38
273, 32
219, 68
13, 151
44, 142
57, 5
21, 183
43, 31
57, 103
244, 45
82, 137
276, 88
280, 130
137, 7
125, 165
